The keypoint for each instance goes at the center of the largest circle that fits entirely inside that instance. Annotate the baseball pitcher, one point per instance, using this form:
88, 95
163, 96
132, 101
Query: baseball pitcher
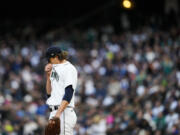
60, 87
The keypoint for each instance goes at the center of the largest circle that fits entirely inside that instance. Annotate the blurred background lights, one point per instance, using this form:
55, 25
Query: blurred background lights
127, 4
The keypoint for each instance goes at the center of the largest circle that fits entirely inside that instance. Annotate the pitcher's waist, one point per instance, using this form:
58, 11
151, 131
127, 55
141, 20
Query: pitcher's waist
55, 107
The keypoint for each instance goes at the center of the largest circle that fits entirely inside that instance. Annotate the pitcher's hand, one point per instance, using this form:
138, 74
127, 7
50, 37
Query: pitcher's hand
48, 69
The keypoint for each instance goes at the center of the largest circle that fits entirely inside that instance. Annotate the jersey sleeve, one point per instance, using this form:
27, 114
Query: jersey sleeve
70, 77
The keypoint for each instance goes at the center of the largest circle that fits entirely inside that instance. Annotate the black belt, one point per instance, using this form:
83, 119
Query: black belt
53, 108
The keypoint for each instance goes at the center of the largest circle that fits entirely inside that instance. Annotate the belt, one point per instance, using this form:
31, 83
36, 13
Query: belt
55, 107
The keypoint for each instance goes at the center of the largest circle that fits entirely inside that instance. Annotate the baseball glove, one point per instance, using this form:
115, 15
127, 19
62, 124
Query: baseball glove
53, 127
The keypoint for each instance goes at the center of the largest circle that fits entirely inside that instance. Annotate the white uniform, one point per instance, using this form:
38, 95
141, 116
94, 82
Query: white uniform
63, 75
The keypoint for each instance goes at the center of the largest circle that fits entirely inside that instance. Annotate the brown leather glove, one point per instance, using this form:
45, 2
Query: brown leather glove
53, 127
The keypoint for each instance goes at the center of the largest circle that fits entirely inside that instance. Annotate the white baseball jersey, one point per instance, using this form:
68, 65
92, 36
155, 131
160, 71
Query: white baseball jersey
62, 75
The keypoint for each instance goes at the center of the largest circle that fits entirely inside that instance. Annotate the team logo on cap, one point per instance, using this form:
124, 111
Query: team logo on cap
52, 54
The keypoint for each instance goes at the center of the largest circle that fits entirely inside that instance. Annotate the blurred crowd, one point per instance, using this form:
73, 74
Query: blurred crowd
129, 82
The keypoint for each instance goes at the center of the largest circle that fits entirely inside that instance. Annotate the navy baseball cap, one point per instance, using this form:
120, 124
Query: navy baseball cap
52, 51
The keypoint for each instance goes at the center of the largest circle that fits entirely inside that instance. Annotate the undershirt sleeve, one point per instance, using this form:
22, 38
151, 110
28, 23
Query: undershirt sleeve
68, 93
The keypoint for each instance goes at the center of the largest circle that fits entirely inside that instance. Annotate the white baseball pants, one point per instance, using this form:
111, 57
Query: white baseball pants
68, 120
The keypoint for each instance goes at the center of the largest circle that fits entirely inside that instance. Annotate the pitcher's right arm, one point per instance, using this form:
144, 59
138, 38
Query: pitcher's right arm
48, 69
